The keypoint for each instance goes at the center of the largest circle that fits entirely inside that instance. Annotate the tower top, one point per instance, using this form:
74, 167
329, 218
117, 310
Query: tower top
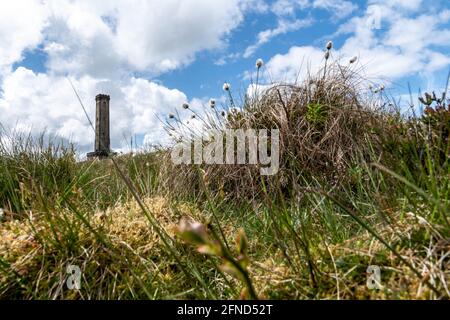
102, 97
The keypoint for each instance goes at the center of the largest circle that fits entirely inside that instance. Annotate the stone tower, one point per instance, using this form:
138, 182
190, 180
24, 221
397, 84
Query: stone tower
102, 138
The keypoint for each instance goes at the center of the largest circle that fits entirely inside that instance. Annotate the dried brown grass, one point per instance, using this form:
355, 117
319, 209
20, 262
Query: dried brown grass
327, 123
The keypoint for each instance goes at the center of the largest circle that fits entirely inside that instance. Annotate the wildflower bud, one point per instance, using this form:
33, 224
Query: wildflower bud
259, 63
330, 45
185, 106
192, 232
241, 242
226, 86
212, 103
327, 55
353, 60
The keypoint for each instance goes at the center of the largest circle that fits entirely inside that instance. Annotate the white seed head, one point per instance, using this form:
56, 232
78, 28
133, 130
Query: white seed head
353, 60
259, 63
226, 86
185, 106
193, 116
212, 103
330, 45
382, 87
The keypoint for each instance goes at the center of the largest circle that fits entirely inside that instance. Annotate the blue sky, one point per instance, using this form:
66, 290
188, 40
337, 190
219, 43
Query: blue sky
151, 61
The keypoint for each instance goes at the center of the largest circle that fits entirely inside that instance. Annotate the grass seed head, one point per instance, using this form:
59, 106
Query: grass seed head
259, 63
330, 45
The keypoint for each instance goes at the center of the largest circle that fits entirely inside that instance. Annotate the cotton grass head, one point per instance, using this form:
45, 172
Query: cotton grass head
185, 106
329, 45
259, 63
212, 103
171, 116
226, 86
353, 60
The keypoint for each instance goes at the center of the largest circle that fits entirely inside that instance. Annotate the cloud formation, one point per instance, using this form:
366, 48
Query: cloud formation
43, 102
100, 46
404, 44
287, 11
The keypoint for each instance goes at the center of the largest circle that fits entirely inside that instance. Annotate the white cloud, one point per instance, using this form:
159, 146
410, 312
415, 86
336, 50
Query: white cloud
288, 7
21, 23
286, 12
99, 45
284, 26
413, 34
169, 37
401, 4
405, 46
39, 102
339, 9
294, 65
91, 36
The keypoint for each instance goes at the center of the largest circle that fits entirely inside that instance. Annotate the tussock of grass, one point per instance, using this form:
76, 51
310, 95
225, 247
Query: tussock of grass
327, 124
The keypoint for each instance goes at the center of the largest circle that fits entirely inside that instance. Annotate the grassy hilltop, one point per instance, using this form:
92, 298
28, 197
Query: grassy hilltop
359, 185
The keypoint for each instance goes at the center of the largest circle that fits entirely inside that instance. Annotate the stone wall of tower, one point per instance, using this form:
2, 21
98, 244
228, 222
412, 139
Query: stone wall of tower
102, 133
